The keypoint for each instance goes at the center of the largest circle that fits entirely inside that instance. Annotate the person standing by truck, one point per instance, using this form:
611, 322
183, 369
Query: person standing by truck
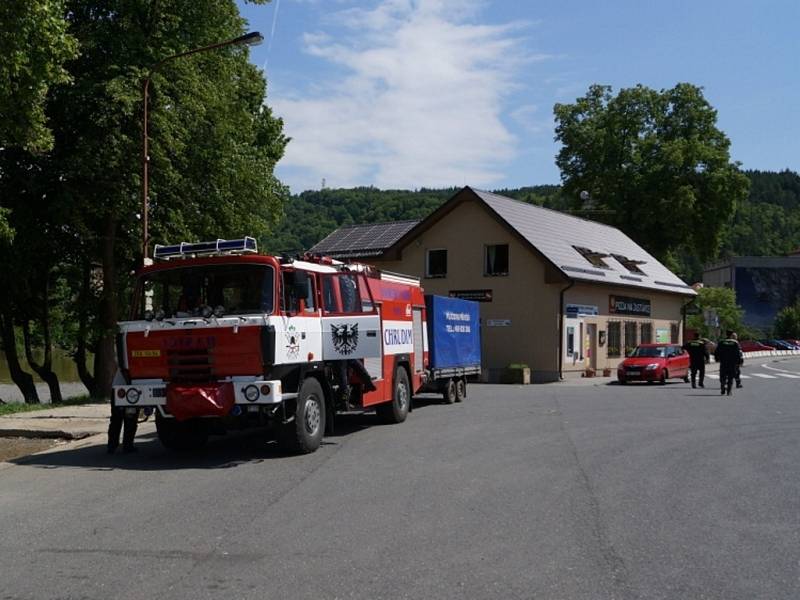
729, 356
698, 355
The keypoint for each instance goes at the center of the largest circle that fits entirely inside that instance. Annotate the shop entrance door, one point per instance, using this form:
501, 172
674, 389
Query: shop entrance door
573, 339
591, 336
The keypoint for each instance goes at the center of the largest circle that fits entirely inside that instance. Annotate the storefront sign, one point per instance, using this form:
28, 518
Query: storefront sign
622, 305
576, 310
498, 322
474, 295
662, 336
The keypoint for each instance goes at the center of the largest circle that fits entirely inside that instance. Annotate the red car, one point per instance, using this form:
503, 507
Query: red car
753, 346
654, 362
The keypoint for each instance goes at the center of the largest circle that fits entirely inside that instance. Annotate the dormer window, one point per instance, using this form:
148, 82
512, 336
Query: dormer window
596, 258
630, 264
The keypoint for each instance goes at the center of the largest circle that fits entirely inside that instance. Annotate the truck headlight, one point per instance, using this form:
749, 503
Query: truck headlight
133, 395
251, 393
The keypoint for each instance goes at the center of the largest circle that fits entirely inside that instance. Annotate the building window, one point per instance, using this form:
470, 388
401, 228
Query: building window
614, 339
646, 333
673, 333
596, 258
436, 263
630, 264
496, 260
630, 336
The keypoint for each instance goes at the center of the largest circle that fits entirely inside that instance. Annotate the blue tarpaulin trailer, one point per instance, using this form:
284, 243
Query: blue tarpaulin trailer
454, 345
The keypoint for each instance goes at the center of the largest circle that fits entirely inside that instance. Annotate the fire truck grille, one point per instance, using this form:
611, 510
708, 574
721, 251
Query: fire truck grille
190, 366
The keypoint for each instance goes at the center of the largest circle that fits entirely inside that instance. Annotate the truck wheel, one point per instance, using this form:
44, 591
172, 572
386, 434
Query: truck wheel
461, 389
181, 435
449, 393
396, 411
303, 435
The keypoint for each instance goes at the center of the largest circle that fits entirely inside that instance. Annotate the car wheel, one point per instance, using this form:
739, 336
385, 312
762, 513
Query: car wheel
303, 434
664, 377
461, 389
622, 381
396, 411
449, 393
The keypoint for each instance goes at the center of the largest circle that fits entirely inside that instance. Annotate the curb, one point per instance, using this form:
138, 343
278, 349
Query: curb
45, 434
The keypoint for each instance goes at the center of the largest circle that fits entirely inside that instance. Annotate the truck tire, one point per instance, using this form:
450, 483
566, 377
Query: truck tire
304, 433
181, 435
449, 393
461, 389
396, 411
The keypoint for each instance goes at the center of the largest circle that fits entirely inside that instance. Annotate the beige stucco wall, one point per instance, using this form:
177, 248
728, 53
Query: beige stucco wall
523, 297
665, 312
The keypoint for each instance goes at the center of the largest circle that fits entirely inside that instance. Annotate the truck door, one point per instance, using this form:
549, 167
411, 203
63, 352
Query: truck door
350, 320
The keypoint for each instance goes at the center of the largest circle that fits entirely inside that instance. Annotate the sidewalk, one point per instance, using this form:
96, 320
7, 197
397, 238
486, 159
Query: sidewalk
66, 422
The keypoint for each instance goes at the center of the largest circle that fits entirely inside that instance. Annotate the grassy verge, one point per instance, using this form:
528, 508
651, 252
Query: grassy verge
18, 407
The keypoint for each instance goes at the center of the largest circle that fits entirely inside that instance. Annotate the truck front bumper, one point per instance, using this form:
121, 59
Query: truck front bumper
153, 392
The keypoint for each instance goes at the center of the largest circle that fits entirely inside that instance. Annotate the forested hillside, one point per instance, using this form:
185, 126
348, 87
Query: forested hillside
768, 223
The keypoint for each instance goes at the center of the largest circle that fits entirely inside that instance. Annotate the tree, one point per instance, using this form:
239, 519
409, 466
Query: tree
723, 302
655, 162
787, 322
214, 145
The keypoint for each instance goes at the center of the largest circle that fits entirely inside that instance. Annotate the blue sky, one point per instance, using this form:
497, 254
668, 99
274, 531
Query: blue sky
436, 93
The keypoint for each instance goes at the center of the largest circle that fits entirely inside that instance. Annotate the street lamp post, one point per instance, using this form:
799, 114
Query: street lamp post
251, 39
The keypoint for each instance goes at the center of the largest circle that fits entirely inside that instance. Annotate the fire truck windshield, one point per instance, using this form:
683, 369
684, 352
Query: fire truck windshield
191, 291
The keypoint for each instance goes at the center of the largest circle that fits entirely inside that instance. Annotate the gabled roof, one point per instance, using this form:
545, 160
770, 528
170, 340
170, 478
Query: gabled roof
359, 241
563, 241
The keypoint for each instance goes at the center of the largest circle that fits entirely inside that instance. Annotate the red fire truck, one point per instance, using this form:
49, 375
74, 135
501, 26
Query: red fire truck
222, 337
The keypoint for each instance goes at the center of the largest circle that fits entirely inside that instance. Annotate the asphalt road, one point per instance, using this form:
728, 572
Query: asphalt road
560, 491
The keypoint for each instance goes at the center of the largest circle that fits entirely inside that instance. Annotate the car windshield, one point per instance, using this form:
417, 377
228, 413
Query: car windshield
650, 352
186, 291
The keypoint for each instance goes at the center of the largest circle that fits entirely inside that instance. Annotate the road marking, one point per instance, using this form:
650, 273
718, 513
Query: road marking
764, 376
712, 375
789, 375
780, 370
744, 376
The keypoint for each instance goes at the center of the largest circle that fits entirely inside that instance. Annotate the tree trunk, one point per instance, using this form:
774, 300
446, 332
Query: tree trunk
105, 361
43, 370
22, 379
83, 325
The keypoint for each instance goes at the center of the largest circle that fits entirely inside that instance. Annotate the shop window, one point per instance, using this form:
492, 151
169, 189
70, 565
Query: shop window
630, 336
496, 260
646, 333
596, 258
614, 339
673, 333
436, 263
630, 264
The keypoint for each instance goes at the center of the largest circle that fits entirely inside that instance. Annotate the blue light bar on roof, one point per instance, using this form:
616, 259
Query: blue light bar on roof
184, 249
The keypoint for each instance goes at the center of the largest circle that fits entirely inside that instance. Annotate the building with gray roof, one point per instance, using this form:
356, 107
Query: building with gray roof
561, 294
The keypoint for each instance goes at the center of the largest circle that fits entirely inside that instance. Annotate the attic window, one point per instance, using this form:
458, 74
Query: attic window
630, 264
596, 258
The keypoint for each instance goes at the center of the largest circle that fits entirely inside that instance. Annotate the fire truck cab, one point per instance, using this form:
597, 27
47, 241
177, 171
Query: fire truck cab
221, 337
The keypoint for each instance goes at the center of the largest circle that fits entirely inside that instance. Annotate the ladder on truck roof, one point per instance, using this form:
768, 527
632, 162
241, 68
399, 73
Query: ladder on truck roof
245, 245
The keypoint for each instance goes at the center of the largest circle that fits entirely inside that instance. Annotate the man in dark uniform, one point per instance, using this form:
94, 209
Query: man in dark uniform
729, 356
698, 354
738, 376
119, 417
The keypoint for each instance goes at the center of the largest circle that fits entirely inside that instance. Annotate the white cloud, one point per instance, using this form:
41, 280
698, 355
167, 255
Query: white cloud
420, 102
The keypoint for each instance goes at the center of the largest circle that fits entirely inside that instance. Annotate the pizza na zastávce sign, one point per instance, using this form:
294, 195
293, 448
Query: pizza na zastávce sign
623, 305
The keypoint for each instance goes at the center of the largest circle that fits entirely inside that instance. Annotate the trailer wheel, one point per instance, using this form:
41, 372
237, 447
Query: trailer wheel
396, 411
303, 434
181, 435
461, 389
449, 393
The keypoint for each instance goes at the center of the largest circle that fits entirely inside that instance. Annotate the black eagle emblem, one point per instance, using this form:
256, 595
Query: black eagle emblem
345, 338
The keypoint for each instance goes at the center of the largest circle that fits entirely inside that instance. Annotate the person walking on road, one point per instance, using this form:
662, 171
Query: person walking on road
738, 376
698, 355
729, 356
